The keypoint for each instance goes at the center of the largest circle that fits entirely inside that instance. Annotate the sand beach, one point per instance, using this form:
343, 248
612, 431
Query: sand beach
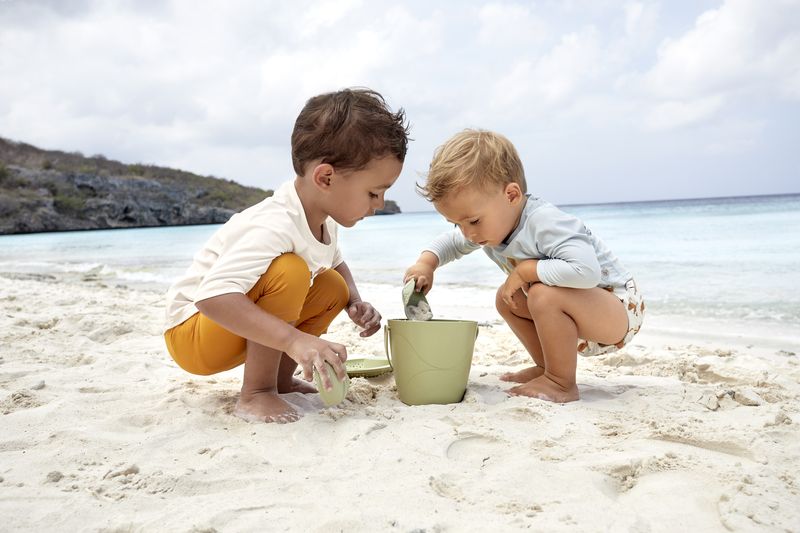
131, 132
680, 431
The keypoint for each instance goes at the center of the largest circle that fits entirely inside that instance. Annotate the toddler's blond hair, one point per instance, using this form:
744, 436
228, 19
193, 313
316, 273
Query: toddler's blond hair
472, 158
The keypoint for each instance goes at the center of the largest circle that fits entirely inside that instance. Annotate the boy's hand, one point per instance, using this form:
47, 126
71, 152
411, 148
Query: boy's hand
421, 272
311, 352
365, 316
513, 283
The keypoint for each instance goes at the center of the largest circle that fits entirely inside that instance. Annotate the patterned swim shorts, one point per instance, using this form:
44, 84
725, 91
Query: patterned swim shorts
634, 305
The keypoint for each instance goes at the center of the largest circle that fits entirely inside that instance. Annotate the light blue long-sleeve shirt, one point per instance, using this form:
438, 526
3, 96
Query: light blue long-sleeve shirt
569, 254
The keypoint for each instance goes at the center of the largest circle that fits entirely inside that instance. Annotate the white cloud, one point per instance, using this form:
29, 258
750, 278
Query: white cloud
215, 88
322, 19
677, 113
641, 20
737, 136
540, 84
744, 46
510, 25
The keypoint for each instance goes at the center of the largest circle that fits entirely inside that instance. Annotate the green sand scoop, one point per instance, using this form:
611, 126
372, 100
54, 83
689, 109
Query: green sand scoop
415, 304
430, 358
338, 390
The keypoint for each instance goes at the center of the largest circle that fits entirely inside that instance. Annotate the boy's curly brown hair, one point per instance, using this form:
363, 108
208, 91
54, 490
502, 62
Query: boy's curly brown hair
347, 129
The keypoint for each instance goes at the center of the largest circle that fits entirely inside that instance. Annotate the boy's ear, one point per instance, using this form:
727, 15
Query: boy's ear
321, 175
513, 192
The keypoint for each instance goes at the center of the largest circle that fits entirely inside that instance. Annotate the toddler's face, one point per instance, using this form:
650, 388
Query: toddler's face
357, 194
484, 217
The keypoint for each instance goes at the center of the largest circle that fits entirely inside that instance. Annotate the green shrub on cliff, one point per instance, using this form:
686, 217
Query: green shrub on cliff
136, 169
69, 205
7, 179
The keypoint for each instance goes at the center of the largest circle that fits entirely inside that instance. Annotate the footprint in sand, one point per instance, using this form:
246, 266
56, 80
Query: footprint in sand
108, 333
626, 475
139, 420
472, 447
524, 413
727, 448
198, 396
593, 394
484, 394
446, 486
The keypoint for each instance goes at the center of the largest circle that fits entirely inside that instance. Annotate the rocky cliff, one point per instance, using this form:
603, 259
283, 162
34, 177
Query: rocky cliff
45, 190
390, 208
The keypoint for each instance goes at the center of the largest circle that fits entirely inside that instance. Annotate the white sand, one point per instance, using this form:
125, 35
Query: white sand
101, 431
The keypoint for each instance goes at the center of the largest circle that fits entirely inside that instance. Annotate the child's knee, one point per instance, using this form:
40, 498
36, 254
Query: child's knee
291, 269
505, 310
283, 288
287, 274
328, 296
500, 304
542, 299
336, 290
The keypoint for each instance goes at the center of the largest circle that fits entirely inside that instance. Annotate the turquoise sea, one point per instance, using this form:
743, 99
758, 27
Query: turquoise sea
733, 258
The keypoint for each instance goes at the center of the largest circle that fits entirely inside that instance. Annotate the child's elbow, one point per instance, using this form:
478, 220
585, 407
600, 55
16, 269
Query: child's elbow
589, 277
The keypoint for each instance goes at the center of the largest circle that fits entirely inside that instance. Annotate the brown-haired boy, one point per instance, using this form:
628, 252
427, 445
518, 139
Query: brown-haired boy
268, 283
564, 288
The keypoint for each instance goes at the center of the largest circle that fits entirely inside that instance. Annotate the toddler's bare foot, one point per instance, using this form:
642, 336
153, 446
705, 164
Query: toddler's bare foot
524, 375
545, 388
296, 385
265, 406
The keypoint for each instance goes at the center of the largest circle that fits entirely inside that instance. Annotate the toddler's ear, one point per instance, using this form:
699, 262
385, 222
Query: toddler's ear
513, 192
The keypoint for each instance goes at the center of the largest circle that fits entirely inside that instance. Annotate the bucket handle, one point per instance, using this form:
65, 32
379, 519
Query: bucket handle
386, 345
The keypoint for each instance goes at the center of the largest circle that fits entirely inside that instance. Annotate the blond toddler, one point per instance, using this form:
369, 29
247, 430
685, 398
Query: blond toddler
565, 292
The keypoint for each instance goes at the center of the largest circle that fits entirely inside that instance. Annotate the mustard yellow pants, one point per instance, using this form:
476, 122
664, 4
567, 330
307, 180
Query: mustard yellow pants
201, 346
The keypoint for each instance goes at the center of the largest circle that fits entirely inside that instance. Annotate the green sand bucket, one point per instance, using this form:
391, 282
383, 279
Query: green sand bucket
431, 359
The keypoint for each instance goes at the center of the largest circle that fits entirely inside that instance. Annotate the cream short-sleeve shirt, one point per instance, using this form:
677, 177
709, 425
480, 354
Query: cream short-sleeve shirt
236, 256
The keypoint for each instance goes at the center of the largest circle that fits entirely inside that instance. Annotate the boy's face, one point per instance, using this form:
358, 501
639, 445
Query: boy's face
484, 217
357, 194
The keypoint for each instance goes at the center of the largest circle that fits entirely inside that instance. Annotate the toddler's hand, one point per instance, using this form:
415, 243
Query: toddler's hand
312, 352
423, 274
365, 316
513, 283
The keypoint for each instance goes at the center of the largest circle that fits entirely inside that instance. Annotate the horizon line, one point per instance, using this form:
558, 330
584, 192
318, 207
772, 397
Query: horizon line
662, 200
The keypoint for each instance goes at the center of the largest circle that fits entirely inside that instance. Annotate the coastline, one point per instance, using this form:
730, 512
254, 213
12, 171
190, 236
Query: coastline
691, 429
145, 226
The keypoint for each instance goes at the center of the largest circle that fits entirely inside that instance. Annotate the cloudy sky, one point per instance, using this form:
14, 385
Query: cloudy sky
605, 100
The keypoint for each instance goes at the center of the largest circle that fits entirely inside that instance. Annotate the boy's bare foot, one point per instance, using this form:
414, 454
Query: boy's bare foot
545, 388
524, 375
265, 406
296, 385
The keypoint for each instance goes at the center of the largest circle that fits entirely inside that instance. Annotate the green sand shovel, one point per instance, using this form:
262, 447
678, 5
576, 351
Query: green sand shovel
415, 304
338, 389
